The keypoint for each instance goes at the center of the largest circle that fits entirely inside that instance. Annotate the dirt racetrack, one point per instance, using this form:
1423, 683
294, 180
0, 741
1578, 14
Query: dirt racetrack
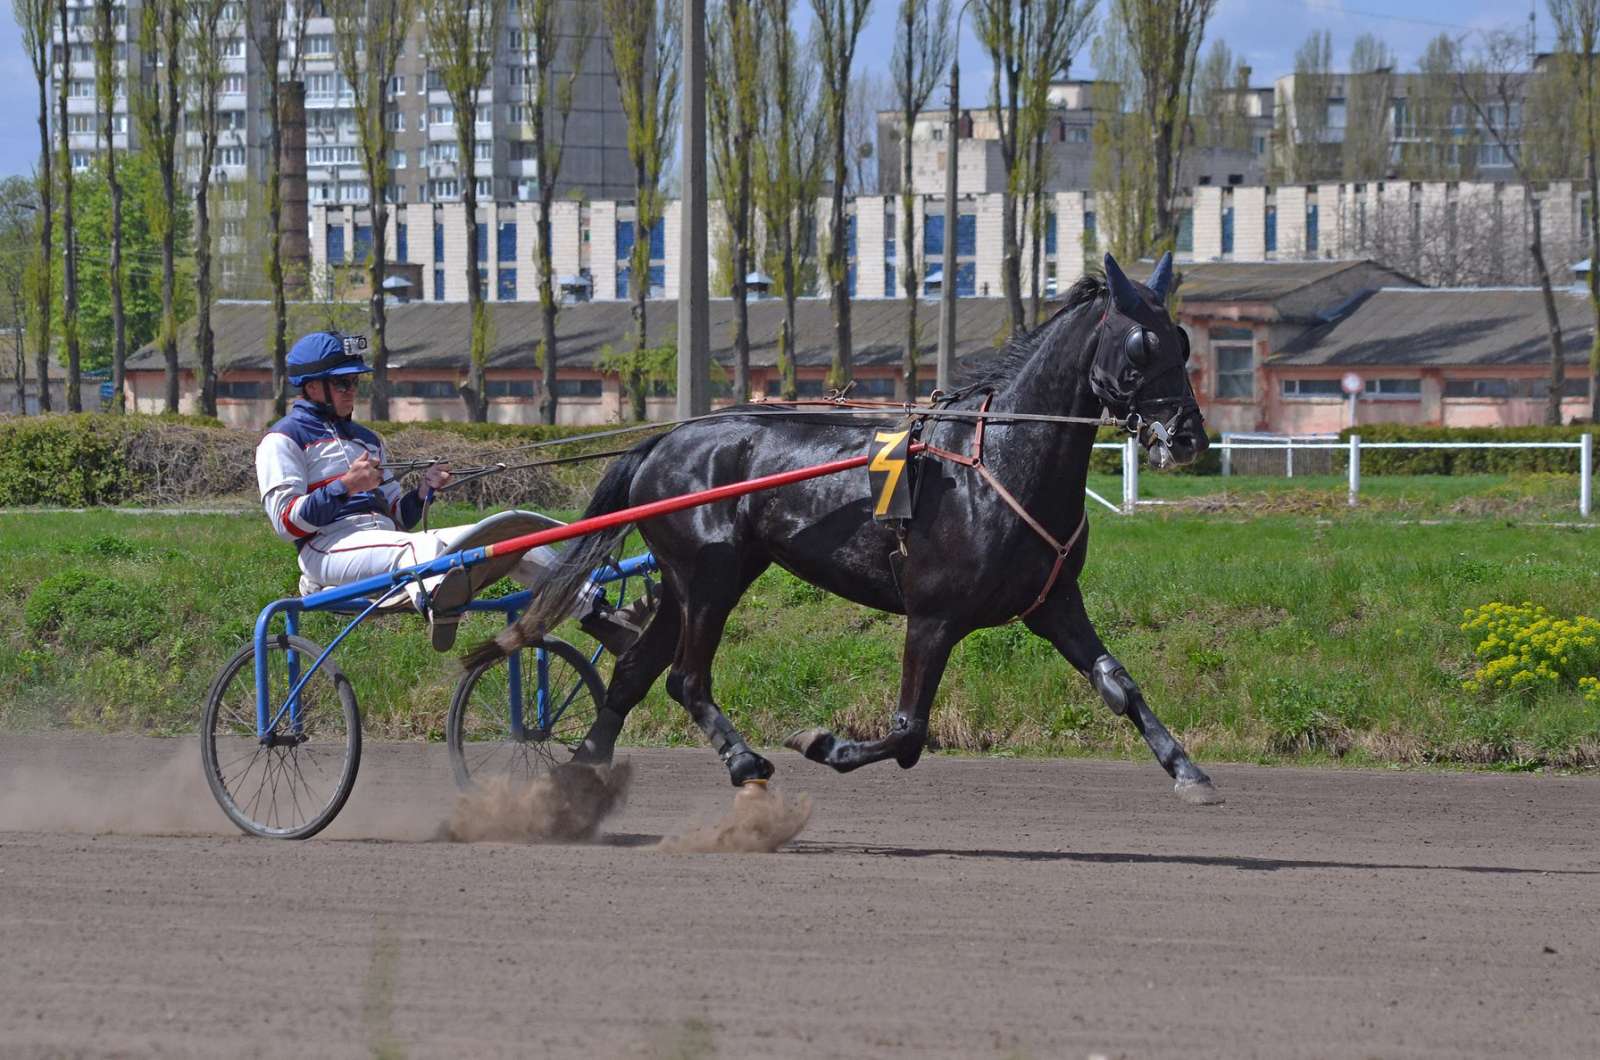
968, 908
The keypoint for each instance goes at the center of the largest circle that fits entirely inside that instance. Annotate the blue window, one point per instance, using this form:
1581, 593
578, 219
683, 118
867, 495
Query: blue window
850, 237
483, 281
1049, 232
1227, 230
1272, 229
933, 232
1185, 242
624, 240
658, 240
658, 279
483, 241
889, 288
1091, 238
850, 279
889, 244
622, 281
507, 240
363, 243
506, 285
335, 246
438, 241
586, 388
1311, 227
966, 279
966, 234
438, 285
402, 251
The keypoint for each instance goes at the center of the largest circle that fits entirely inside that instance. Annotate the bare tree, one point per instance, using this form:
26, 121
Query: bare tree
1030, 42
870, 92
645, 53
838, 28
69, 272
1123, 164
108, 88
159, 108
1367, 109
461, 40
1429, 149
789, 159
210, 23
1221, 97
1303, 151
33, 18
733, 110
1578, 37
549, 101
923, 45
369, 36
1493, 87
277, 31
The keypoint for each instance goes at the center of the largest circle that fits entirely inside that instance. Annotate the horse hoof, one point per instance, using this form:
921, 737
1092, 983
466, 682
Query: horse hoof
1198, 793
748, 767
813, 743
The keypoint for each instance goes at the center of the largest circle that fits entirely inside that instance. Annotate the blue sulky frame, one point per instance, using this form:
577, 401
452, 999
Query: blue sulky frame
364, 597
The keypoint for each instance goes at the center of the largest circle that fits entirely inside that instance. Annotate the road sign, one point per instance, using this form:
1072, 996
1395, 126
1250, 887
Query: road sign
1351, 383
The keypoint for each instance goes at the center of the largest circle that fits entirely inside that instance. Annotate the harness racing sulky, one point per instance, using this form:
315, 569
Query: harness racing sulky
971, 514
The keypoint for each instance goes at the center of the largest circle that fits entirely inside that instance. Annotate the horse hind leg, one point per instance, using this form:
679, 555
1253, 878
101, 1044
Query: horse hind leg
635, 672
927, 650
1064, 622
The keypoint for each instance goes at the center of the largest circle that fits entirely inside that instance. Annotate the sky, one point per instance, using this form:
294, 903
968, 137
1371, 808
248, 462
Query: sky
1264, 33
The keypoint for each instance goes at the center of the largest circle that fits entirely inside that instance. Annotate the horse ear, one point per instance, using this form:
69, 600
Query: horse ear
1122, 292
1160, 281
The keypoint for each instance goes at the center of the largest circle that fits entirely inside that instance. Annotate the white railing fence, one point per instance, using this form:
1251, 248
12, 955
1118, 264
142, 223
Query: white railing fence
1330, 445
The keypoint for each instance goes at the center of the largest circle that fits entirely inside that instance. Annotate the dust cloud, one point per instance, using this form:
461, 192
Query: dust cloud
565, 805
170, 800
761, 821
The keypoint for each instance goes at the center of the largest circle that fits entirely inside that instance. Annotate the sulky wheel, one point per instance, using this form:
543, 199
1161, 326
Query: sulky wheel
559, 693
291, 783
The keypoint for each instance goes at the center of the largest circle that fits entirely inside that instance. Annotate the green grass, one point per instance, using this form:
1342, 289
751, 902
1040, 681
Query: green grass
1281, 636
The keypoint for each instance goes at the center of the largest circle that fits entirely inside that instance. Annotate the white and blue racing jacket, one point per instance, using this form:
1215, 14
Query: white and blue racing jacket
298, 465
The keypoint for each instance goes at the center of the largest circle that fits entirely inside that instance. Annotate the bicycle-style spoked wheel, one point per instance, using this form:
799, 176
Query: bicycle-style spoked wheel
292, 783
559, 692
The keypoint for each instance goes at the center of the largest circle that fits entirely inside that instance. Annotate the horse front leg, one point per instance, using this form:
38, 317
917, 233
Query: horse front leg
927, 650
1063, 621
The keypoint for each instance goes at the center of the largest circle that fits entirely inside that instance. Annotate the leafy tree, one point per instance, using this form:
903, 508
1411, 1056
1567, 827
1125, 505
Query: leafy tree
369, 35
1303, 151
209, 22
33, 19
1367, 108
141, 184
159, 108
69, 288
19, 203
1577, 40
107, 82
646, 56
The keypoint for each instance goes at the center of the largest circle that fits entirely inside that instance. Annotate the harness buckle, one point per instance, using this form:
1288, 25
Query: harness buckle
1134, 423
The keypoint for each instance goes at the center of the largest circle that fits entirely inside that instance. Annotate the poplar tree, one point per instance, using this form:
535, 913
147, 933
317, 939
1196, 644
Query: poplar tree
159, 108
733, 111
277, 31
69, 271
1367, 109
645, 54
1577, 38
838, 28
923, 46
369, 36
33, 19
210, 22
549, 101
108, 85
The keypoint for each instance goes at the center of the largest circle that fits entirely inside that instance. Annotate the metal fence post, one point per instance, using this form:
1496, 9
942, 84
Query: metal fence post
1288, 458
1355, 468
1227, 453
1585, 473
1130, 475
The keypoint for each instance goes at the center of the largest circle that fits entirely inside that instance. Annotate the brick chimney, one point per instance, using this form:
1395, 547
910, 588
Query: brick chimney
292, 189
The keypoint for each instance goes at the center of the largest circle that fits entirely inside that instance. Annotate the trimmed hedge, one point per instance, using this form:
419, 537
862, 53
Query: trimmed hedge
1466, 461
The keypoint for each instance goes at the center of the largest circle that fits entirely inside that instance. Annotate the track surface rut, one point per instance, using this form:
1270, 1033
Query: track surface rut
968, 908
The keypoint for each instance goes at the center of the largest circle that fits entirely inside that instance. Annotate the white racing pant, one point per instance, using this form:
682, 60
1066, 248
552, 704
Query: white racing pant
361, 547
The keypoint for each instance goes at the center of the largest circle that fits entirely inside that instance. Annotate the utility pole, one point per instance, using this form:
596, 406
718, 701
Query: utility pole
945, 372
694, 292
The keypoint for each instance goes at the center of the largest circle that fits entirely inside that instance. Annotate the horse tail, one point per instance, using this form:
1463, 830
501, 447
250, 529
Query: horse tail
553, 600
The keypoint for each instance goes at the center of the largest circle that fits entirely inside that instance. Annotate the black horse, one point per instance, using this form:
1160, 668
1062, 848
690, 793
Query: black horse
966, 559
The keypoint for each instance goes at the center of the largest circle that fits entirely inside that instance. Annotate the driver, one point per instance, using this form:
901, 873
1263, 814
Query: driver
323, 484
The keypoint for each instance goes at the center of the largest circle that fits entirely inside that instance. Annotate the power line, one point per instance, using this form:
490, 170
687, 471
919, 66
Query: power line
1315, 8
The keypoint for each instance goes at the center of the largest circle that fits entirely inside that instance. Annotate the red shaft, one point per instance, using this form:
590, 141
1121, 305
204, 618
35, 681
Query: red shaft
672, 504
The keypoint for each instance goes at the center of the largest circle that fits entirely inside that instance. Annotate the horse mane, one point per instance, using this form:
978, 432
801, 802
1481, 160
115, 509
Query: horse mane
994, 373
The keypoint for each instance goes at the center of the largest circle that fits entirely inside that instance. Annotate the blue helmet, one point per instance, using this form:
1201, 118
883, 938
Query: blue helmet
323, 354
